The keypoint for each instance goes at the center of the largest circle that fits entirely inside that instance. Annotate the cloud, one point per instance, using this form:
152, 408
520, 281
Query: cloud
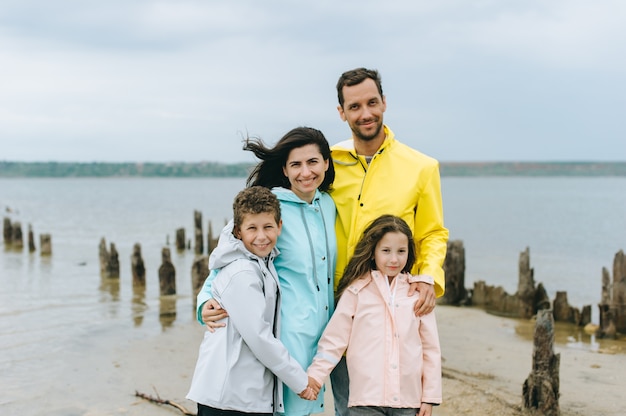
185, 80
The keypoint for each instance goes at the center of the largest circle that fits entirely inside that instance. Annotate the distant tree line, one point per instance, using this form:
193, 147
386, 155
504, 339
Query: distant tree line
533, 169
102, 169
214, 169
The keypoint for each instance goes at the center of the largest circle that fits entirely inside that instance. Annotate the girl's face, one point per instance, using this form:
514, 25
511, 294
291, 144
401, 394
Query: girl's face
391, 253
306, 169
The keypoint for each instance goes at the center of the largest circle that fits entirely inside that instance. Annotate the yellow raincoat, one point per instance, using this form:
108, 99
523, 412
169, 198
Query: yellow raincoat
399, 181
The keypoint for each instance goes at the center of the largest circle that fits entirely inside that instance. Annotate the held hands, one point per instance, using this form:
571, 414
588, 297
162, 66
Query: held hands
311, 391
211, 313
426, 302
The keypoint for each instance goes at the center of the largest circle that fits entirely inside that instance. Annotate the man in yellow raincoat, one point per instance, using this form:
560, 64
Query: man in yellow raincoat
375, 174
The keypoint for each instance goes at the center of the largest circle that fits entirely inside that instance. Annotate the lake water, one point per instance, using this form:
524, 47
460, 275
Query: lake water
52, 309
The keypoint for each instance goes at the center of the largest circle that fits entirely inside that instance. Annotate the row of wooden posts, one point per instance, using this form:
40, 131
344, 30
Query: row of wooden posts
540, 391
110, 265
14, 238
531, 298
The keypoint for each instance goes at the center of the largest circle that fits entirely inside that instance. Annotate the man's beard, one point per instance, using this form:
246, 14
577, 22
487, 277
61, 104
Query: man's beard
367, 138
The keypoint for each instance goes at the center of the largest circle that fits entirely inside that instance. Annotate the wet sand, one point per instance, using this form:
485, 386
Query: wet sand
485, 362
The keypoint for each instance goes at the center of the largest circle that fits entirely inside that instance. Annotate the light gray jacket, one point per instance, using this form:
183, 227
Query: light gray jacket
235, 364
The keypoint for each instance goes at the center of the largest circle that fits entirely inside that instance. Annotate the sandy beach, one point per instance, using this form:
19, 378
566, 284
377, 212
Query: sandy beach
485, 362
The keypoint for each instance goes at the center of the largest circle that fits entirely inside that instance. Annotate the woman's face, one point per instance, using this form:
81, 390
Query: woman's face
306, 169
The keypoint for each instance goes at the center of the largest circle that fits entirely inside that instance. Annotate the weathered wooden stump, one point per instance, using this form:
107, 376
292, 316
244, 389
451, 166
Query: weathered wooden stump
103, 255
137, 266
494, 299
619, 290
199, 273
7, 231
17, 240
211, 242
613, 302
542, 301
526, 286
31, 239
180, 239
541, 388
454, 268
45, 244
167, 274
199, 238
563, 312
585, 316
113, 265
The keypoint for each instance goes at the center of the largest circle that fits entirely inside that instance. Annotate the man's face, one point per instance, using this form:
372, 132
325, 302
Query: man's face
363, 110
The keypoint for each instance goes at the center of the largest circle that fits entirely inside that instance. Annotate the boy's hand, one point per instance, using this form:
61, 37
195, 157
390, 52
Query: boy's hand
311, 391
426, 302
211, 313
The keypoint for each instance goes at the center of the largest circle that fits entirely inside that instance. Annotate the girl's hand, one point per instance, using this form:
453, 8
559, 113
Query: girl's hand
426, 410
212, 312
311, 391
308, 394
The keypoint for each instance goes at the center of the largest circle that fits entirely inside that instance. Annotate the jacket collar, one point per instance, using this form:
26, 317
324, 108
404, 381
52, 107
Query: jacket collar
287, 195
347, 146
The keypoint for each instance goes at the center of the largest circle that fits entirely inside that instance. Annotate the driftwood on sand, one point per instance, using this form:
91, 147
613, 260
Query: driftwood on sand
158, 400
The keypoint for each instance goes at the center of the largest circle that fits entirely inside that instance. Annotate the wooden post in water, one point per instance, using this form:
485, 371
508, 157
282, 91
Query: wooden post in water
454, 268
199, 273
199, 238
45, 244
619, 291
113, 265
607, 327
541, 388
31, 239
563, 312
167, 274
180, 239
211, 242
7, 231
103, 255
17, 240
137, 266
613, 303
526, 286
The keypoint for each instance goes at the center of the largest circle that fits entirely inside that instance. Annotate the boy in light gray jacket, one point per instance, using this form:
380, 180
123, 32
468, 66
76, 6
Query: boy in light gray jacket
236, 367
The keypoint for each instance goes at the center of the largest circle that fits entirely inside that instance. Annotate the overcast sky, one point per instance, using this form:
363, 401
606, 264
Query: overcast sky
465, 80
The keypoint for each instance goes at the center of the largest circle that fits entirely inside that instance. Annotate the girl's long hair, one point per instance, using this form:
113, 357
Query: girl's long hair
269, 172
363, 259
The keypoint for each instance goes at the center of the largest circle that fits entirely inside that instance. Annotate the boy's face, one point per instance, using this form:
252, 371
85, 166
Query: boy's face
259, 233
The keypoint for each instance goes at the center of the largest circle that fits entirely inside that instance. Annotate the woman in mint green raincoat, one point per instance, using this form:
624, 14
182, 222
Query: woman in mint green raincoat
299, 171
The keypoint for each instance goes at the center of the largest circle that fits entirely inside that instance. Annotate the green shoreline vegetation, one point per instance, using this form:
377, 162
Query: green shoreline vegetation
222, 170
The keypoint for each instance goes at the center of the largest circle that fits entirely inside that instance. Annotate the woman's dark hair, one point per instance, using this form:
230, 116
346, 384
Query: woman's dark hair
363, 259
269, 172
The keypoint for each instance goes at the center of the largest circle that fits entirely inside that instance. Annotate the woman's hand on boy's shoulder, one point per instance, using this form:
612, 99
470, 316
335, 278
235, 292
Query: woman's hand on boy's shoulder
212, 312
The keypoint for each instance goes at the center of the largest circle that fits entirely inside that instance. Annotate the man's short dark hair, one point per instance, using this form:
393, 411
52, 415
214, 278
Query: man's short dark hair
355, 77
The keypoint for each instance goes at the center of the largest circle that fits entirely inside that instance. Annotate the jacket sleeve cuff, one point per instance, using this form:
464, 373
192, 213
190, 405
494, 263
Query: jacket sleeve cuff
422, 278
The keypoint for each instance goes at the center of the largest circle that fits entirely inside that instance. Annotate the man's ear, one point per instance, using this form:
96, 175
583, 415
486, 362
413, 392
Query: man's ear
237, 233
342, 115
